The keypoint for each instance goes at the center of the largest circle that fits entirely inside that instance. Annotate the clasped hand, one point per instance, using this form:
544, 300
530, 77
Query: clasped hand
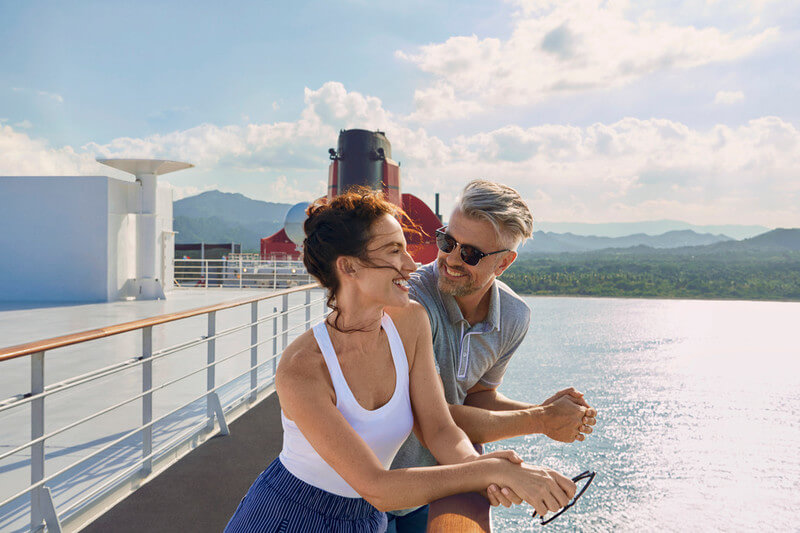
567, 416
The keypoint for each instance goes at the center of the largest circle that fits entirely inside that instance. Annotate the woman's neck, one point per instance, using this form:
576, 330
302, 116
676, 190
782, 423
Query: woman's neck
360, 321
354, 321
354, 311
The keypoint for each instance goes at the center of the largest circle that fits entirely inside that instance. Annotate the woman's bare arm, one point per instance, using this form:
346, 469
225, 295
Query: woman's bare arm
446, 441
307, 398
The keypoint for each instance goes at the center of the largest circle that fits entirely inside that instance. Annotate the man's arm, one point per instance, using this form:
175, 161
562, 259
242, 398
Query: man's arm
488, 416
489, 398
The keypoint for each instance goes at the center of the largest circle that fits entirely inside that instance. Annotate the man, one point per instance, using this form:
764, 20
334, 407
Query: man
477, 324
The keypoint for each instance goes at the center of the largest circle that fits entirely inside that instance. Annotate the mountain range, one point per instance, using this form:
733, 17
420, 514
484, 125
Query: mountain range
550, 243
220, 217
649, 227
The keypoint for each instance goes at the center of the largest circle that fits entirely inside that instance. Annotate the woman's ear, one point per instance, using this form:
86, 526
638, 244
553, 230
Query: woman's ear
345, 267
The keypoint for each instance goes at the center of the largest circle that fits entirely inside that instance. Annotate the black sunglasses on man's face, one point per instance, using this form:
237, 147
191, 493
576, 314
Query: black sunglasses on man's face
469, 254
589, 477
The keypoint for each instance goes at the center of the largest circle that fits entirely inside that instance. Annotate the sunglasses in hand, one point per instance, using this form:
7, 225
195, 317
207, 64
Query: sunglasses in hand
589, 477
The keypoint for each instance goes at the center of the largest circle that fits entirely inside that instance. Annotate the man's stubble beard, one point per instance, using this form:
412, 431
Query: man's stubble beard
447, 286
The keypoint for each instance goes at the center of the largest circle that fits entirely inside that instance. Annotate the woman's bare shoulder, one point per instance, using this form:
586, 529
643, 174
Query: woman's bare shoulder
413, 327
301, 362
409, 317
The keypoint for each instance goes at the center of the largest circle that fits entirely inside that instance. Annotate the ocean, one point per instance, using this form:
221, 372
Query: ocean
698, 426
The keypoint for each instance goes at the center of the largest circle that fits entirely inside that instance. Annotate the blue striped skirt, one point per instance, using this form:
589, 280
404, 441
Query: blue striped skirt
279, 502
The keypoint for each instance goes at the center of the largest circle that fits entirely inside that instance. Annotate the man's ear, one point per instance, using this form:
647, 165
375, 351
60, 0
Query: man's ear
344, 266
504, 263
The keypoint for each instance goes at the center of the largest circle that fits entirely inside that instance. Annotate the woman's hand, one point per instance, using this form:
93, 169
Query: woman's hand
502, 496
545, 489
509, 455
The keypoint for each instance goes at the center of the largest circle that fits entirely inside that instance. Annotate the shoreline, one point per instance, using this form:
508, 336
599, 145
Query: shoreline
659, 297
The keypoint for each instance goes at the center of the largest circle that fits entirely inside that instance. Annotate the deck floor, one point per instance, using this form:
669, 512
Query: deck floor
200, 492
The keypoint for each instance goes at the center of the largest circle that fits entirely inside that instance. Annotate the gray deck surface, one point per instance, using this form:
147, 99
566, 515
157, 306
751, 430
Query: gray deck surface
200, 492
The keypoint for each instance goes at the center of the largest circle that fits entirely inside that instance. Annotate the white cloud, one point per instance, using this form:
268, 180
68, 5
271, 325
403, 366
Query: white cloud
54, 96
24, 156
257, 147
570, 46
25, 124
291, 191
632, 169
643, 169
46, 94
333, 106
728, 97
439, 103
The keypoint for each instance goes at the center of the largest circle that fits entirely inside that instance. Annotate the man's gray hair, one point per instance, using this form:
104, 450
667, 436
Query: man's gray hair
501, 206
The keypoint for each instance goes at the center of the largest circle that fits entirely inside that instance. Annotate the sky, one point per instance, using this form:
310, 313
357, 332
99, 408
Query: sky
596, 111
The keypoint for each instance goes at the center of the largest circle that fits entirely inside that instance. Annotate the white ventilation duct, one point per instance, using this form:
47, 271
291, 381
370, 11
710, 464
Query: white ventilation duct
146, 171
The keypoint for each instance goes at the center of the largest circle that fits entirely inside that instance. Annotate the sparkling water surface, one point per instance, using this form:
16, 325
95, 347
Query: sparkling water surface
698, 426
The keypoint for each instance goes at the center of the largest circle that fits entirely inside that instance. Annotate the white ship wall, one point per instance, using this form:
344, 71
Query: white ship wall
73, 238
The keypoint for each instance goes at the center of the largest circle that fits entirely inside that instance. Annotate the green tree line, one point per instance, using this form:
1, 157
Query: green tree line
660, 274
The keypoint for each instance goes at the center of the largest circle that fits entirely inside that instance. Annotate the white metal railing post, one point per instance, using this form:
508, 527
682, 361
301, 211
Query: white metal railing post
253, 350
37, 430
274, 274
211, 373
285, 321
308, 308
147, 399
274, 342
241, 271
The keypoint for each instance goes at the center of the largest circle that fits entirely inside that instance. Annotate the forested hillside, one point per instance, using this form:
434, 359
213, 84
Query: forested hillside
766, 267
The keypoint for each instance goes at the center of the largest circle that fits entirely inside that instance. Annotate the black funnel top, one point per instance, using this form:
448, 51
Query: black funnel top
360, 157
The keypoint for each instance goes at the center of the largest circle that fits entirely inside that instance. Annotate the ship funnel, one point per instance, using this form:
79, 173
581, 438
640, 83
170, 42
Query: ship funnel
147, 171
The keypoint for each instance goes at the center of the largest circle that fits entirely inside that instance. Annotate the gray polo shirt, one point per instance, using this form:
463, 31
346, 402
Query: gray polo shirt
465, 355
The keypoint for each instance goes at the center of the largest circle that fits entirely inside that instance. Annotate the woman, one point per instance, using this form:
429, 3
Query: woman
352, 388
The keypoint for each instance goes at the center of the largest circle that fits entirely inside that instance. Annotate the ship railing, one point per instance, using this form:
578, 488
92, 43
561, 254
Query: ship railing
239, 271
65, 495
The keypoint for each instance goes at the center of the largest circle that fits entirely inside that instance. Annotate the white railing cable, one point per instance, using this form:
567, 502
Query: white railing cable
142, 395
131, 433
21, 399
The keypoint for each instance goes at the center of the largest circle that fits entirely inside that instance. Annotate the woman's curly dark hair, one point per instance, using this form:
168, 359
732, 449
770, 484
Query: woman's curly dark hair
342, 227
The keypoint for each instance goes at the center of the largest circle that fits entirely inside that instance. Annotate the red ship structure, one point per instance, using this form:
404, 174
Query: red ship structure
363, 158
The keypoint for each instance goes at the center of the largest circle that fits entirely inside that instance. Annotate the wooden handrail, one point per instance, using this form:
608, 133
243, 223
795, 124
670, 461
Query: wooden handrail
21, 350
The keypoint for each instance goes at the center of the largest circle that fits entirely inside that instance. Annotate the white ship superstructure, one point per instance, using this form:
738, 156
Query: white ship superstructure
88, 238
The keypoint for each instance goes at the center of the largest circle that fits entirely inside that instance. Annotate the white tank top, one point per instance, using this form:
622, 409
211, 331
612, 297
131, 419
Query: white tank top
383, 429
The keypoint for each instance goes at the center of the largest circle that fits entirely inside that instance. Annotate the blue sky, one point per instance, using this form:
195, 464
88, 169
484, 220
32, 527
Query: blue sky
596, 111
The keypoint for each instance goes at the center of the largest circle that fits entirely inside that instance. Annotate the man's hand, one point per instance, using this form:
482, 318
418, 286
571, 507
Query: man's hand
567, 416
574, 395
